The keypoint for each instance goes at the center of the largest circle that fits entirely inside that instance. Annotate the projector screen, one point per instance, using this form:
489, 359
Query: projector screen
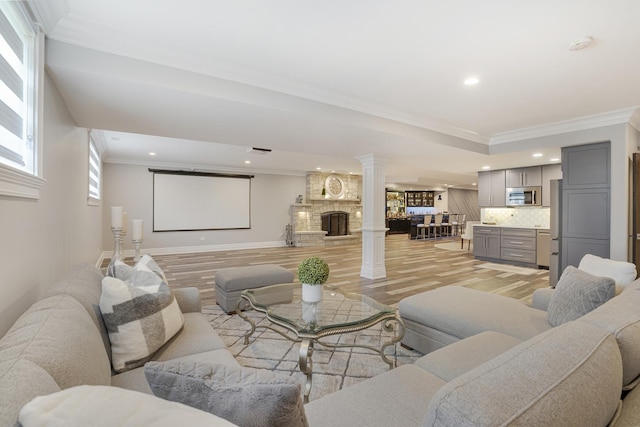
185, 201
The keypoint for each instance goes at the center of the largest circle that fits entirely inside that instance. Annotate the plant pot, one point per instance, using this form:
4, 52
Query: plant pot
311, 293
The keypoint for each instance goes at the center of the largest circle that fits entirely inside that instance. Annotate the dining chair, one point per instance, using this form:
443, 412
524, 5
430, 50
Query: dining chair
467, 234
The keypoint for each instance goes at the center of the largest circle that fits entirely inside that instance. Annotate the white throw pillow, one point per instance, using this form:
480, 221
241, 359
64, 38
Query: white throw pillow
621, 272
106, 406
140, 314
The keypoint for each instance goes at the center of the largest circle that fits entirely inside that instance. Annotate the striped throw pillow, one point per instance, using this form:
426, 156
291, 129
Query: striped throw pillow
140, 313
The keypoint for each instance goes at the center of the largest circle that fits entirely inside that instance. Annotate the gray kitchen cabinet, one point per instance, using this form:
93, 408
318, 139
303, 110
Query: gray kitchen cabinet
586, 202
491, 189
518, 244
549, 172
524, 177
486, 242
586, 166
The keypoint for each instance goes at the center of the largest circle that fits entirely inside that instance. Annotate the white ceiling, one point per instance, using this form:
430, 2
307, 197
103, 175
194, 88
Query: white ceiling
320, 83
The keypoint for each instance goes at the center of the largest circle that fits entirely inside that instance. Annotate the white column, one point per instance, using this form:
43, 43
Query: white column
373, 212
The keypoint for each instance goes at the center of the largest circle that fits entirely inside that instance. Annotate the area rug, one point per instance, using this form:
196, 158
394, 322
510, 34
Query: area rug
332, 369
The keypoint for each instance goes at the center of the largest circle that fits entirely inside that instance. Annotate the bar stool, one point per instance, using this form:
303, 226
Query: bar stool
436, 225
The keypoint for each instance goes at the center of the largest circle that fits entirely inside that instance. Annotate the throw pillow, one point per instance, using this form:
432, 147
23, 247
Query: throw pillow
140, 313
622, 272
106, 406
576, 294
246, 397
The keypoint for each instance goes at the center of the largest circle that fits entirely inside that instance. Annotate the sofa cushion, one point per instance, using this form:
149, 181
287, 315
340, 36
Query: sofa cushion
462, 312
196, 336
20, 381
398, 397
576, 294
57, 334
460, 357
102, 406
569, 375
84, 283
621, 316
140, 313
244, 396
134, 379
621, 272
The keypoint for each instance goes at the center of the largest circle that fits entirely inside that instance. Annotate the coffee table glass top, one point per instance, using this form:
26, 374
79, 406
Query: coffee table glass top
337, 308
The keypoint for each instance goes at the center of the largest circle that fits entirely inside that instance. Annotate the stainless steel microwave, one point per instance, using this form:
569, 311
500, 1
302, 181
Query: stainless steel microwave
524, 196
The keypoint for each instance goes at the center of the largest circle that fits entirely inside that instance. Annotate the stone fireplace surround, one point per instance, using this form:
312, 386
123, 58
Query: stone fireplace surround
306, 218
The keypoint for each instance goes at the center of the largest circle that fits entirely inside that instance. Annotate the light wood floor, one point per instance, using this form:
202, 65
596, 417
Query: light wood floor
412, 267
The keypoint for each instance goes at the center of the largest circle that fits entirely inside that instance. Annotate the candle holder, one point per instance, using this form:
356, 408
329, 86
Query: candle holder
136, 244
117, 246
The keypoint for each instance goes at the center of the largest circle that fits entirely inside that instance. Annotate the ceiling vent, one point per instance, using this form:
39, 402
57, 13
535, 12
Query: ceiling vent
257, 150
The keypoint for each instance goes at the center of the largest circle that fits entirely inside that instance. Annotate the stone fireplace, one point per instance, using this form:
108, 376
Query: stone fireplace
329, 219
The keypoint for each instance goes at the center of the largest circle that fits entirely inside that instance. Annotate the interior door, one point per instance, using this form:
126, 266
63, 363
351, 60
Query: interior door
636, 211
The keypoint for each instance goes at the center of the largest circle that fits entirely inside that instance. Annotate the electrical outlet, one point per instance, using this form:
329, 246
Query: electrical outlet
202, 238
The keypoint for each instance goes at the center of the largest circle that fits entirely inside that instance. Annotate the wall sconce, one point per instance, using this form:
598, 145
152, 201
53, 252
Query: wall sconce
439, 196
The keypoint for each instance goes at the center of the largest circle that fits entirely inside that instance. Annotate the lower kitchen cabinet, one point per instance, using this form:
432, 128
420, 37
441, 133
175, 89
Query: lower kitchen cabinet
486, 242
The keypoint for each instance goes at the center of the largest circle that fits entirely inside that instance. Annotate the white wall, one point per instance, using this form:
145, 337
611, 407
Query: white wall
131, 186
42, 239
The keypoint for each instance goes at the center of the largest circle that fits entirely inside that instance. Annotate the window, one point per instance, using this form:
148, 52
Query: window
95, 169
21, 46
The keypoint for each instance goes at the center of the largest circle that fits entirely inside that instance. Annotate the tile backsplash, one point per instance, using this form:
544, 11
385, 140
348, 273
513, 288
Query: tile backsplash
520, 217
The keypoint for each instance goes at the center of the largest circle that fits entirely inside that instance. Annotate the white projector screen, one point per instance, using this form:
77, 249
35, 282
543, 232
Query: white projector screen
185, 201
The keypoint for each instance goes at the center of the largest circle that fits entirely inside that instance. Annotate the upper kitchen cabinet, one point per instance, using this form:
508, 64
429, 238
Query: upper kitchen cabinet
524, 177
586, 166
491, 189
549, 172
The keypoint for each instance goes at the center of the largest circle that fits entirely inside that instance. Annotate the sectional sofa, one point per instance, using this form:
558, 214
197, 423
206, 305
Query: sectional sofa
580, 373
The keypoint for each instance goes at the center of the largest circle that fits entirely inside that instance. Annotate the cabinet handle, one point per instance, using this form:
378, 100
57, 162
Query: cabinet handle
516, 255
517, 243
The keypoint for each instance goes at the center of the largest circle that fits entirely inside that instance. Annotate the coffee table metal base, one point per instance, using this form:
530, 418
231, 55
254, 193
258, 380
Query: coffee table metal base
307, 340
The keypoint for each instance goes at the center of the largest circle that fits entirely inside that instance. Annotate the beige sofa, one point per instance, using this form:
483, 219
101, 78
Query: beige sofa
61, 342
572, 374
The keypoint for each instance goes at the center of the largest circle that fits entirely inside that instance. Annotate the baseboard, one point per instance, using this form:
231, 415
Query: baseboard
195, 249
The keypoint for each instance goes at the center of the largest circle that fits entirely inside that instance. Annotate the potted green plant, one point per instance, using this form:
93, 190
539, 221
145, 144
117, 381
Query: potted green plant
312, 273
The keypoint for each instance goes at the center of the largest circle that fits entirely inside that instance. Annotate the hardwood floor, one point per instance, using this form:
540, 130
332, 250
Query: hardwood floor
412, 267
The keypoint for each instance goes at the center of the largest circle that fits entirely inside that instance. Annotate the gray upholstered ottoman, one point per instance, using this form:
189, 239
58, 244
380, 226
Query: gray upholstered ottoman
230, 282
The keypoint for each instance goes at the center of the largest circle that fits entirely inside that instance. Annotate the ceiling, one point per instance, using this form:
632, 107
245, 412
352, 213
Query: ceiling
321, 83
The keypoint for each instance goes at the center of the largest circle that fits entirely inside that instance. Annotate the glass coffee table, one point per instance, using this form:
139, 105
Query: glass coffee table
339, 312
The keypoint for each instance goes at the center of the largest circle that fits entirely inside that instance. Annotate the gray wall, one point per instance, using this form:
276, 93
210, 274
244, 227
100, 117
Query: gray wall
131, 186
464, 202
42, 239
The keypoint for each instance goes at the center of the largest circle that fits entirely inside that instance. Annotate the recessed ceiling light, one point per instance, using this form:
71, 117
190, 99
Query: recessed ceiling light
152, 154
247, 161
333, 171
486, 167
555, 159
474, 183
537, 154
471, 81
318, 168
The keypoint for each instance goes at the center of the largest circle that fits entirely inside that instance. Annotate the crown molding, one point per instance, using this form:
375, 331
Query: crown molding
609, 118
635, 120
47, 13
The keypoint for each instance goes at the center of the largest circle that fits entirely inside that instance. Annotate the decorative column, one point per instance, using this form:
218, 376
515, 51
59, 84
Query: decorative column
373, 211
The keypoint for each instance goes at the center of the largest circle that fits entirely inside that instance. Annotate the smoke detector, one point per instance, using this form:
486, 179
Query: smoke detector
581, 43
256, 150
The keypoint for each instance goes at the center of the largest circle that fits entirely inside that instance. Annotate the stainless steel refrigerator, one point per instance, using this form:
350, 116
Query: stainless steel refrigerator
555, 229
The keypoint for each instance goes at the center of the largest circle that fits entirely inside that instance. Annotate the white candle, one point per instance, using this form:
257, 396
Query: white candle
125, 221
136, 229
116, 216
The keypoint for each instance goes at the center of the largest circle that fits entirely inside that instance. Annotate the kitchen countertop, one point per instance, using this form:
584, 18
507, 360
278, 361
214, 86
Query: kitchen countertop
513, 226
